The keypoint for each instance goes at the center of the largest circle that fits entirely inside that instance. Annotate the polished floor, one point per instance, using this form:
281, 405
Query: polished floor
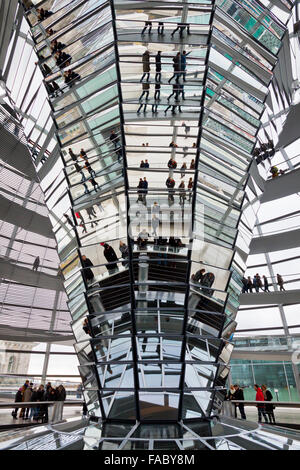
282, 415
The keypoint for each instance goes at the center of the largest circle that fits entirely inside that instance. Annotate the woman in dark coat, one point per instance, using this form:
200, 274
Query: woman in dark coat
110, 255
61, 393
87, 272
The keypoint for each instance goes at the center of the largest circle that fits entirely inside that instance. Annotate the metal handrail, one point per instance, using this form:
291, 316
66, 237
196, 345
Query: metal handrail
33, 404
283, 404
54, 408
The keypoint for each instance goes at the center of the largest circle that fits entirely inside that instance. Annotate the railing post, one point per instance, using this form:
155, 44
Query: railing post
56, 412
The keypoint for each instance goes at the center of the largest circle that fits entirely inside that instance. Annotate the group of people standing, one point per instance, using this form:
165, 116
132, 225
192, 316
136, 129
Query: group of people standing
258, 283
62, 58
205, 281
86, 166
179, 70
31, 393
110, 256
262, 394
183, 191
142, 190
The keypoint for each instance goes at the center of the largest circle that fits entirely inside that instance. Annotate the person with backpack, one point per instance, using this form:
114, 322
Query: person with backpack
269, 406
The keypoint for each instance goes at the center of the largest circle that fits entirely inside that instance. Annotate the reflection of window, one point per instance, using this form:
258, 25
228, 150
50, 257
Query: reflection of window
11, 364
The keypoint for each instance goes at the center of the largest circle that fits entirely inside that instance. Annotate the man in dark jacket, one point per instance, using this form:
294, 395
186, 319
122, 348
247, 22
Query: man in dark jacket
249, 284
145, 187
72, 155
88, 273
158, 66
50, 394
239, 395
140, 191
183, 64
245, 285
269, 407
61, 393
110, 255
114, 139
176, 67
40, 393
